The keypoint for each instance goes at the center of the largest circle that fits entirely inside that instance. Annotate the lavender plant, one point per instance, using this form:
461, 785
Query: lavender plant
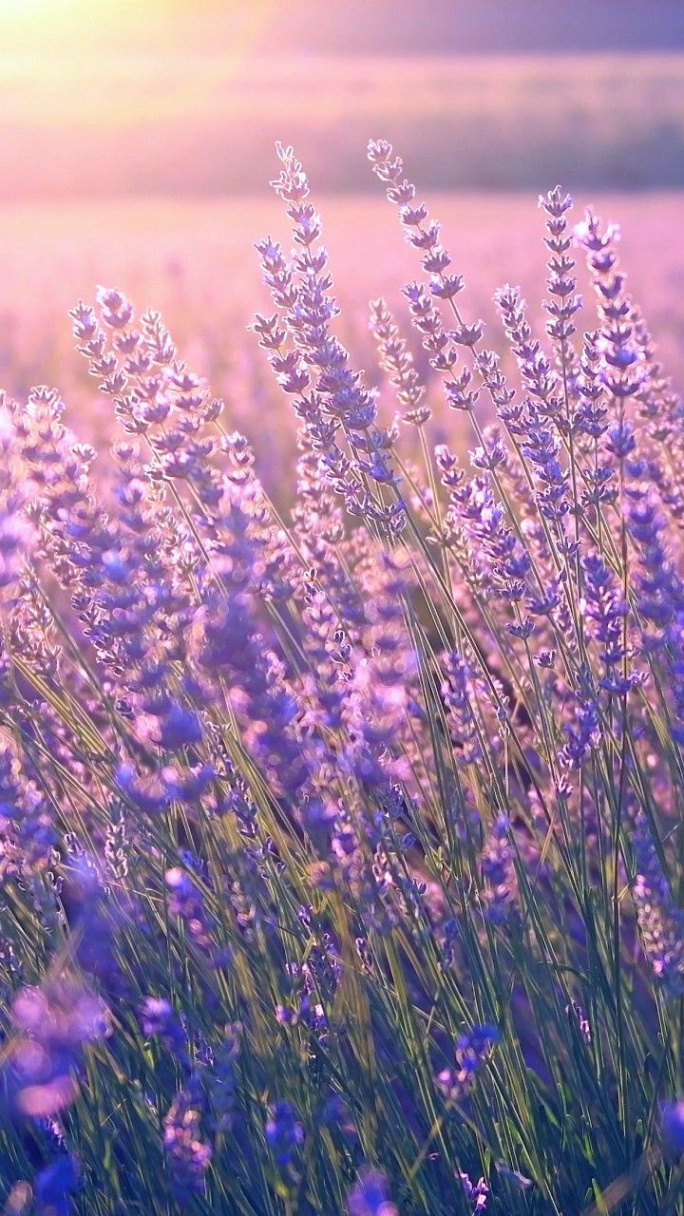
341, 850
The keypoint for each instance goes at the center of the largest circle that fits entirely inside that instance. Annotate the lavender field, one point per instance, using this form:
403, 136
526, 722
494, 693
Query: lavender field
341, 608
341, 816
195, 260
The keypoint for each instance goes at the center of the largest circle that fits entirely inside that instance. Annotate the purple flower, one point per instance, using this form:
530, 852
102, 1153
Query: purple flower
190, 1155
157, 1018
605, 611
672, 1124
660, 919
156, 1015
55, 1185
458, 692
302, 292
55, 1022
284, 1133
179, 728
398, 363
368, 1196
497, 861
471, 1050
476, 1192
561, 282
187, 902
473, 1046
583, 732
580, 1018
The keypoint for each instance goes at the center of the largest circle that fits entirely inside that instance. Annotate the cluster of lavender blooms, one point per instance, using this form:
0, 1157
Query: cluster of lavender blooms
341, 849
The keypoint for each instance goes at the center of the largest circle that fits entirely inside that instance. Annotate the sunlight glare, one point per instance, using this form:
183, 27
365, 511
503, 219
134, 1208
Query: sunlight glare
34, 27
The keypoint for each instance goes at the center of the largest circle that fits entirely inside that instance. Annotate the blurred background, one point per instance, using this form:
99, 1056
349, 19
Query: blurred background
186, 97
137, 143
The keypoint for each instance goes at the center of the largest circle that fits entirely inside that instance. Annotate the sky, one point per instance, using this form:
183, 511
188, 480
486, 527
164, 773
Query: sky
479, 26
181, 97
343, 26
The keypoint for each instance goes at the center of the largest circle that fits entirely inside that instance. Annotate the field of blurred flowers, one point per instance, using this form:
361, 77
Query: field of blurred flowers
195, 261
342, 713
201, 119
